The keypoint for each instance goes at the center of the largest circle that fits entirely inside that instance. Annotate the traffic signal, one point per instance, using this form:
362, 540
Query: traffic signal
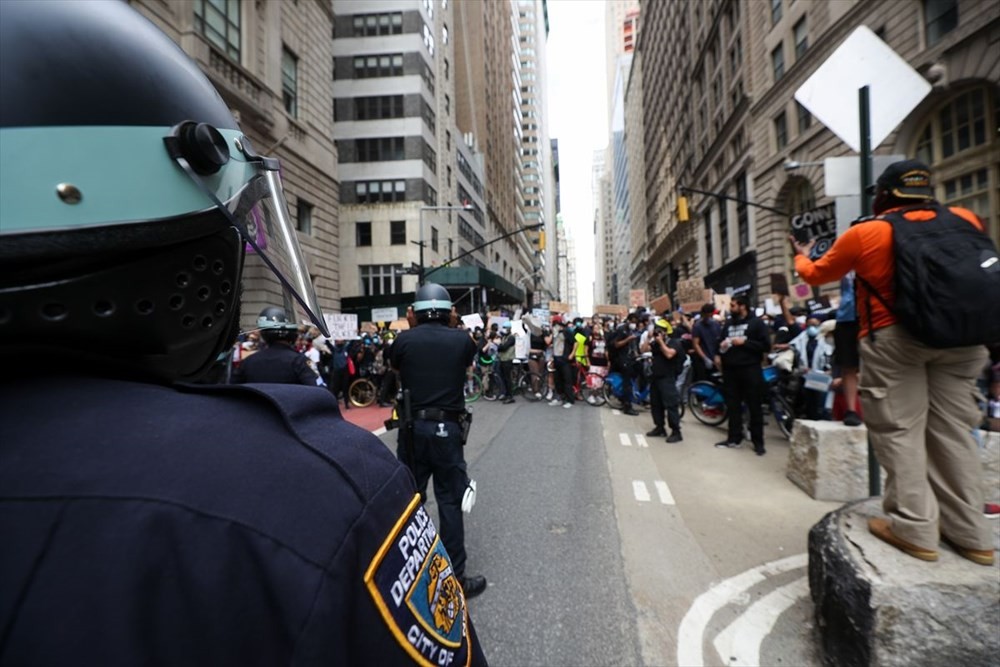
541, 239
682, 209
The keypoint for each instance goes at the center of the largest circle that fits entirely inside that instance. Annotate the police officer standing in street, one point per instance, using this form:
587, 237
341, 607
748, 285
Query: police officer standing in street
278, 362
433, 359
147, 517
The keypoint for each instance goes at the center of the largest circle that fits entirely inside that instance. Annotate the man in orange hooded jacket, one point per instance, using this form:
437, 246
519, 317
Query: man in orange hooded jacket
916, 398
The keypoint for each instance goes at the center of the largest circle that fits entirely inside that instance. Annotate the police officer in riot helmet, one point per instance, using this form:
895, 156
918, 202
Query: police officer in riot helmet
279, 361
147, 518
432, 360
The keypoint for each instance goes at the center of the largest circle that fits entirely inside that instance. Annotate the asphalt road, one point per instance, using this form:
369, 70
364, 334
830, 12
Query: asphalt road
603, 547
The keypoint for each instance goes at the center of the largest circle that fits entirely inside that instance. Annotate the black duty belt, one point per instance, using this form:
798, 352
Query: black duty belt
435, 415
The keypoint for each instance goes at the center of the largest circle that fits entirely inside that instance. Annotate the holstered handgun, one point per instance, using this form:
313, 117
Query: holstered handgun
465, 422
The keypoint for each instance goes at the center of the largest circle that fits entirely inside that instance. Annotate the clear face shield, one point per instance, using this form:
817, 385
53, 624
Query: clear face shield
259, 212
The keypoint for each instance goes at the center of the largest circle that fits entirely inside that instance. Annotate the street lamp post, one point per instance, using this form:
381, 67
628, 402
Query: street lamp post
464, 207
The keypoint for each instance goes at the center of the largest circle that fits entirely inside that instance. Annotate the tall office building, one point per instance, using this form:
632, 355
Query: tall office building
600, 189
271, 62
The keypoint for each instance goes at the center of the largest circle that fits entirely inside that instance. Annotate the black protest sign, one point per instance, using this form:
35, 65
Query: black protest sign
819, 225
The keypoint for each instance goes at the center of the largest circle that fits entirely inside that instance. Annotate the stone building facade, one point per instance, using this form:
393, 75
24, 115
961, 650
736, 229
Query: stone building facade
272, 63
719, 115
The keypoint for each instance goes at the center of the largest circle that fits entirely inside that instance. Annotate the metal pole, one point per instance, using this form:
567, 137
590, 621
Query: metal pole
874, 480
420, 274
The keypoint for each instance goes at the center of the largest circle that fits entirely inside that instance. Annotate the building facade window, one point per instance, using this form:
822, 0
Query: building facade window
303, 216
778, 62
429, 40
370, 67
775, 11
709, 257
373, 25
434, 239
380, 149
780, 131
444, 33
970, 190
805, 118
378, 279
397, 232
362, 234
290, 82
378, 107
379, 192
430, 157
940, 18
801, 38
219, 22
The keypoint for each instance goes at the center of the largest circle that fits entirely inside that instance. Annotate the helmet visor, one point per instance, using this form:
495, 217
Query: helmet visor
269, 232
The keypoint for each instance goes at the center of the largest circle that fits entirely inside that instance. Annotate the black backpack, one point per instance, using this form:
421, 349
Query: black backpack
947, 279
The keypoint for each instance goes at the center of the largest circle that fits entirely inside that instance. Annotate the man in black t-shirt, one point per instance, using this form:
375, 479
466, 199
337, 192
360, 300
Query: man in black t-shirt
668, 359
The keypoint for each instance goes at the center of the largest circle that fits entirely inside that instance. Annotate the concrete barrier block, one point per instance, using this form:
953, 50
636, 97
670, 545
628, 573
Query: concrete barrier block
829, 461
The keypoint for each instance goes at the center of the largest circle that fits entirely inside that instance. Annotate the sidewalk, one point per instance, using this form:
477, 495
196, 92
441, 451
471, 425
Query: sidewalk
371, 418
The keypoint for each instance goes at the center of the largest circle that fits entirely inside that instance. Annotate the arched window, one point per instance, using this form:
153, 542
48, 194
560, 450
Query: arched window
959, 140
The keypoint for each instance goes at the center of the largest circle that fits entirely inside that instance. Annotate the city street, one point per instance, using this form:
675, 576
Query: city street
605, 547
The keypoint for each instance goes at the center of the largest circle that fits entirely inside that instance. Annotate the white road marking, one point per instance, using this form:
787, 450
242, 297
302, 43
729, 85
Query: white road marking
666, 497
623, 438
740, 642
691, 632
640, 490
379, 431
616, 411
640, 440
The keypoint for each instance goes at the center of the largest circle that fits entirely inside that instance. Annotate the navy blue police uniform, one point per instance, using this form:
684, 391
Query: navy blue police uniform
138, 529
276, 363
432, 360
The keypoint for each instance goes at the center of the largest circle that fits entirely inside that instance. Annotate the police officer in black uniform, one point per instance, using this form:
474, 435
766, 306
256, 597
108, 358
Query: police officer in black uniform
279, 361
144, 518
432, 360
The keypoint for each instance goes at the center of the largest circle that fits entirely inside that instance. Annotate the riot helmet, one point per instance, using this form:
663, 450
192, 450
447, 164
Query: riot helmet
131, 200
274, 325
432, 303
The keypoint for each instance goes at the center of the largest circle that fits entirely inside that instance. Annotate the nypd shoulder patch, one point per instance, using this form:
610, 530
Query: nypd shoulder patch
418, 593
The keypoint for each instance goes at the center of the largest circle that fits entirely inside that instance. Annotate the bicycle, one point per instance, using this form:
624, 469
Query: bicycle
472, 387
589, 384
707, 401
362, 392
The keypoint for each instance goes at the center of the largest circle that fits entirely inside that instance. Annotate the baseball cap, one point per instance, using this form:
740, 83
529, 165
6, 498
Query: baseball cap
906, 179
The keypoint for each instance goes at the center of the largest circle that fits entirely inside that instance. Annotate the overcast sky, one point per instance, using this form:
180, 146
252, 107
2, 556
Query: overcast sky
578, 119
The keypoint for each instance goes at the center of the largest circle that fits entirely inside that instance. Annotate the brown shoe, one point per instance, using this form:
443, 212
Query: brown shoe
881, 529
979, 556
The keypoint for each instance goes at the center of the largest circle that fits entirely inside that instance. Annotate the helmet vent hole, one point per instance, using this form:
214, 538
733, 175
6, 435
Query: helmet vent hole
218, 267
226, 287
183, 279
104, 308
187, 321
144, 307
176, 302
204, 293
220, 307
207, 322
200, 263
55, 311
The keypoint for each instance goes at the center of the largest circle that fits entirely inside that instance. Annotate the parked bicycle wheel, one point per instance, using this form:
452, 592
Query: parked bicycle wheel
783, 414
362, 393
612, 389
473, 388
531, 386
593, 389
707, 403
492, 386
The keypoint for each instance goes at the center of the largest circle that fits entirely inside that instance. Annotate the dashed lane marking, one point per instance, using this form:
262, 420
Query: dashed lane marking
640, 491
690, 634
623, 438
640, 440
663, 490
615, 411
741, 641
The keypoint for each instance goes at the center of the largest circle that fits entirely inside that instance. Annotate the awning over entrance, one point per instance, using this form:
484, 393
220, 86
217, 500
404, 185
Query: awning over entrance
466, 284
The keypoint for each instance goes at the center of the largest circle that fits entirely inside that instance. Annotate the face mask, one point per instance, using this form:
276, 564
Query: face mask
812, 332
800, 320
631, 326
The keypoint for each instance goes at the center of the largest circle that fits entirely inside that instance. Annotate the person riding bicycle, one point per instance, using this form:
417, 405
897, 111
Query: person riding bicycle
623, 349
668, 359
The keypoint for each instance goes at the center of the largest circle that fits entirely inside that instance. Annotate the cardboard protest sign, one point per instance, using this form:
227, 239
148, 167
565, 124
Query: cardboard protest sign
801, 290
385, 314
472, 321
661, 304
637, 297
399, 325
558, 307
723, 302
689, 291
611, 309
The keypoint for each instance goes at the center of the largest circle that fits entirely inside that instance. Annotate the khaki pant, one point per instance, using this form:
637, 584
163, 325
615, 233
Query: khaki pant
920, 408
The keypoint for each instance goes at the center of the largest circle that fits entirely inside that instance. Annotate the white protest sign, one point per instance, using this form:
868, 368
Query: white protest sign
342, 326
385, 314
895, 88
472, 321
